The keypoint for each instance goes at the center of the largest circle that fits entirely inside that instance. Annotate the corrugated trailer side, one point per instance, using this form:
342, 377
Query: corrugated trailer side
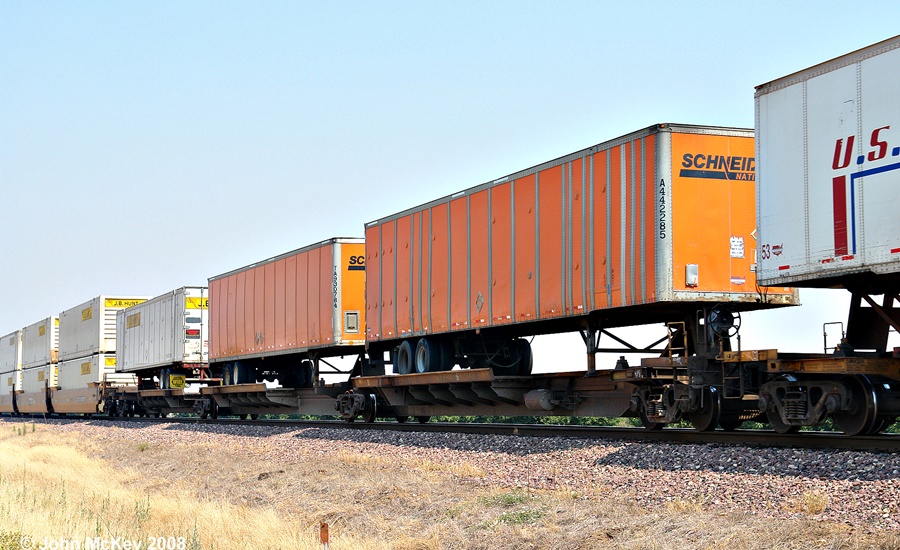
277, 318
644, 228
11, 352
169, 331
829, 172
10, 370
40, 343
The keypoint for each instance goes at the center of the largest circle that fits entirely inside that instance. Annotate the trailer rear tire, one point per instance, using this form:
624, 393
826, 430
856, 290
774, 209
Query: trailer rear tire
428, 355
526, 358
403, 362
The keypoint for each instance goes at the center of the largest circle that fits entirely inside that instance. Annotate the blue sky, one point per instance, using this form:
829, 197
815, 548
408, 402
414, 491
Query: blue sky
149, 145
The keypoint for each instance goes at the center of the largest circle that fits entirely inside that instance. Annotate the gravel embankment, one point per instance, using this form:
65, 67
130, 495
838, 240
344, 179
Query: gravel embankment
859, 488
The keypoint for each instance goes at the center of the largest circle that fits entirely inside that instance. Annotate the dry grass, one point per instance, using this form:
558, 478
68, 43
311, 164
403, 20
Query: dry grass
59, 486
809, 503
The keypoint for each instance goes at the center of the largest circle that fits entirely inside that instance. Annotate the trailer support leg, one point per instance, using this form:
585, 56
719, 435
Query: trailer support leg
591, 337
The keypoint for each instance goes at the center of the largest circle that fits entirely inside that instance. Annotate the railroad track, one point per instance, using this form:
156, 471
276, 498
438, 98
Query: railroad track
757, 438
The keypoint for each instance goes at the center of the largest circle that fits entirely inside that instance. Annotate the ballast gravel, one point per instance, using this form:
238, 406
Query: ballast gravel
861, 489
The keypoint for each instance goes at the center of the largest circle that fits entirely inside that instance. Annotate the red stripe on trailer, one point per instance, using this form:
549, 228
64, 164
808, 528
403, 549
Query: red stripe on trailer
895, 250
783, 267
848, 257
839, 193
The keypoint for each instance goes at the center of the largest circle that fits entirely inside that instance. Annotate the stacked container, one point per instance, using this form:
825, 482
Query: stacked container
10, 370
40, 353
87, 352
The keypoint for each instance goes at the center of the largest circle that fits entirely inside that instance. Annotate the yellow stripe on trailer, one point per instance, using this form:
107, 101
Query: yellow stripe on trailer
196, 303
121, 304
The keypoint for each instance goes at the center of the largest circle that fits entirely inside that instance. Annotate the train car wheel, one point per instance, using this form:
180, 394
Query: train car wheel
423, 419
401, 418
649, 424
707, 416
863, 413
370, 413
243, 416
403, 362
779, 425
254, 416
428, 355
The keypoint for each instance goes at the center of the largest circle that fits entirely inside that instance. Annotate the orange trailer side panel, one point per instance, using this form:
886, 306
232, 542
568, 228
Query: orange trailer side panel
373, 281
500, 297
403, 255
480, 259
610, 229
524, 267
439, 314
294, 302
459, 264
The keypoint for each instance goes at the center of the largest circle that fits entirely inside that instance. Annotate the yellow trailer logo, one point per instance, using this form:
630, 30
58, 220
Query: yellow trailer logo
86, 368
42, 330
41, 376
123, 303
133, 320
87, 313
110, 362
196, 303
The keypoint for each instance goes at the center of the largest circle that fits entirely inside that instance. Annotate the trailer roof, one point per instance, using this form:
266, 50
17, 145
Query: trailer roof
828, 66
291, 253
656, 128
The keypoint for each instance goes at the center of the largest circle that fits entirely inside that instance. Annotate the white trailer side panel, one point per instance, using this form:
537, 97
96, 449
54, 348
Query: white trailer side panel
11, 352
36, 379
828, 149
169, 330
10, 381
90, 327
40, 343
80, 373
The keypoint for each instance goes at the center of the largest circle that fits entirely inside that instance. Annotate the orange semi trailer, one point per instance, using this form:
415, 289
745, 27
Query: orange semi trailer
655, 226
277, 319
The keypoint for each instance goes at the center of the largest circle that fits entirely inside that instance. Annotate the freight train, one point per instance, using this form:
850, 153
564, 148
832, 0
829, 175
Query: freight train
437, 303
